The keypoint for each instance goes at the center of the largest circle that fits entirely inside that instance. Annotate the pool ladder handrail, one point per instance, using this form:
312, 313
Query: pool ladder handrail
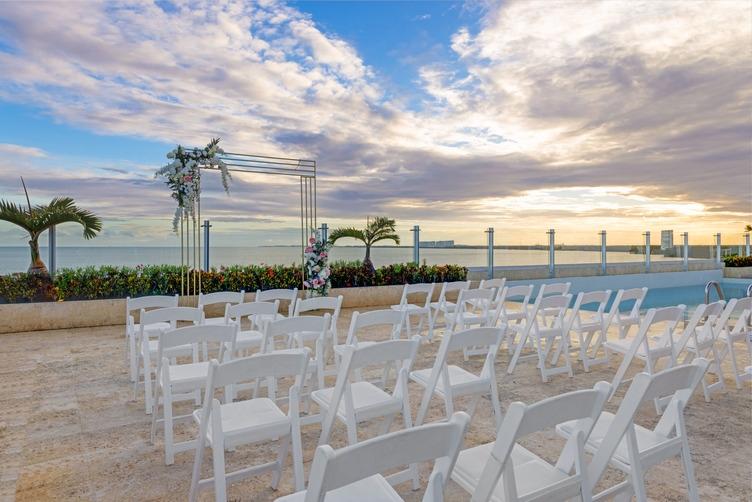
718, 290
749, 290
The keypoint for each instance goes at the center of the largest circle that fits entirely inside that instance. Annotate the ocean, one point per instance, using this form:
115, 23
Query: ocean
16, 259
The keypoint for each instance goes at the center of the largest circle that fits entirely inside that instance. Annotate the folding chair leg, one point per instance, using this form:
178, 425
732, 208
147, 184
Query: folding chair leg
495, 403
689, 472
220, 478
473, 406
284, 446
297, 458
517, 353
734, 366
449, 406
388, 420
197, 461
169, 442
352, 432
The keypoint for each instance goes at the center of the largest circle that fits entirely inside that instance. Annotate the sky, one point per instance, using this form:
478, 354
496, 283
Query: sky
521, 115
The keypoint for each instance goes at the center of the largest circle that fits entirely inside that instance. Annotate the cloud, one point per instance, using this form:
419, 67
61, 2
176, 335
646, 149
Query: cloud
22, 151
649, 97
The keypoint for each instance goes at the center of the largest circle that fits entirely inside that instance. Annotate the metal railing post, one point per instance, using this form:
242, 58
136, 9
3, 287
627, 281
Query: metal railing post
490, 257
52, 244
647, 251
206, 226
324, 232
685, 252
746, 244
604, 268
718, 248
551, 252
416, 244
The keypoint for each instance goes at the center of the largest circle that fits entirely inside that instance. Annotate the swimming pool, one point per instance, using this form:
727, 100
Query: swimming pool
690, 296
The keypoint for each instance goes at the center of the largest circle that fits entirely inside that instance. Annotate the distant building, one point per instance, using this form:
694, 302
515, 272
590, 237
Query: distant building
437, 244
667, 239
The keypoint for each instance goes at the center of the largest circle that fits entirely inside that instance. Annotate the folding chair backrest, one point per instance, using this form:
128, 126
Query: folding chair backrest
288, 295
285, 364
383, 352
492, 283
593, 297
522, 420
554, 288
625, 295
470, 298
519, 294
473, 337
230, 297
334, 469
291, 325
196, 334
738, 318
523, 292
452, 287
386, 317
173, 315
237, 312
148, 303
703, 320
679, 381
319, 303
417, 290
549, 303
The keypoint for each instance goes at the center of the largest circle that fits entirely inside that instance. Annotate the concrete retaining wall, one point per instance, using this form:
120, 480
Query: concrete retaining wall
738, 272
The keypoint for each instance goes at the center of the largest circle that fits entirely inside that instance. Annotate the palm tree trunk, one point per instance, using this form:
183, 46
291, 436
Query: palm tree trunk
367, 260
37, 266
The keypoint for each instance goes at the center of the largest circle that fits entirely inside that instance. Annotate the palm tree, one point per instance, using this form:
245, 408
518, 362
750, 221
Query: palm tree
35, 220
380, 228
748, 228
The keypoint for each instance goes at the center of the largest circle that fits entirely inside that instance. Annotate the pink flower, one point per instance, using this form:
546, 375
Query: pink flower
312, 240
323, 255
309, 249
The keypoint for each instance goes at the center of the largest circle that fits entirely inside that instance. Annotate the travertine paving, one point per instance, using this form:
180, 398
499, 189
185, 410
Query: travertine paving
70, 429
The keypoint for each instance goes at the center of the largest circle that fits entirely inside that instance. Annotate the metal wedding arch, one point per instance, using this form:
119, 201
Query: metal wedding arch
190, 233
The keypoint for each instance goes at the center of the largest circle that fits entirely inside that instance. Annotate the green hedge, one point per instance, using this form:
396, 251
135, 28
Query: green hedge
91, 283
738, 261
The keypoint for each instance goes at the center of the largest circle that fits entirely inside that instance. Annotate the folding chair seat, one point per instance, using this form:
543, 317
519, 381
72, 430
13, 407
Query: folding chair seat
737, 328
290, 296
624, 316
319, 304
391, 320
253, 311
589, 324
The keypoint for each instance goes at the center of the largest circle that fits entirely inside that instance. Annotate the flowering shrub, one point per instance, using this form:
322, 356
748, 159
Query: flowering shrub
89, 283
317, 271
183, 176
738, 261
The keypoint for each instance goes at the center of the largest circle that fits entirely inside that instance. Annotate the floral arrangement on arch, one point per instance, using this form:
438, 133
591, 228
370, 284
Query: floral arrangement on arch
318, 274
183, 176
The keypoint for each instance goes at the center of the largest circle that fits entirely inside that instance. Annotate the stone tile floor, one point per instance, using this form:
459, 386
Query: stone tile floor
70, 430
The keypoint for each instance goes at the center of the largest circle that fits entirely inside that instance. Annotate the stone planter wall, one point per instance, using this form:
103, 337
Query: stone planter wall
738, 272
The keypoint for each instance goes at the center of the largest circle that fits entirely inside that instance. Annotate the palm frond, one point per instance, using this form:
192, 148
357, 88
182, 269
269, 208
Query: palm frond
64, 210
386, 237
14, 213
353, 233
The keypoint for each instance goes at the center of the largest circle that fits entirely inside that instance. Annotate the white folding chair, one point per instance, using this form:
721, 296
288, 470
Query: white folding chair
552, 289
290, 296
444, 305
737, 328
589, 324
422, 310
352, 401
391, 320
132, 328
448, 381
631, 315
545, 332
473, 309
253, 311
323, 303
292, 334
514, 304
646, 345
506, 470
149, 344
221, 297
179, 382
617, 441
497, 285
699, 340
227, 425
353, 473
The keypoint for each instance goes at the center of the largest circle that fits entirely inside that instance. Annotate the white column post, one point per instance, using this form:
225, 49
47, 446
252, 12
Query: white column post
551, 252
647, 251
490, 257
685, 253
416, 244
718, 248
604, 269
